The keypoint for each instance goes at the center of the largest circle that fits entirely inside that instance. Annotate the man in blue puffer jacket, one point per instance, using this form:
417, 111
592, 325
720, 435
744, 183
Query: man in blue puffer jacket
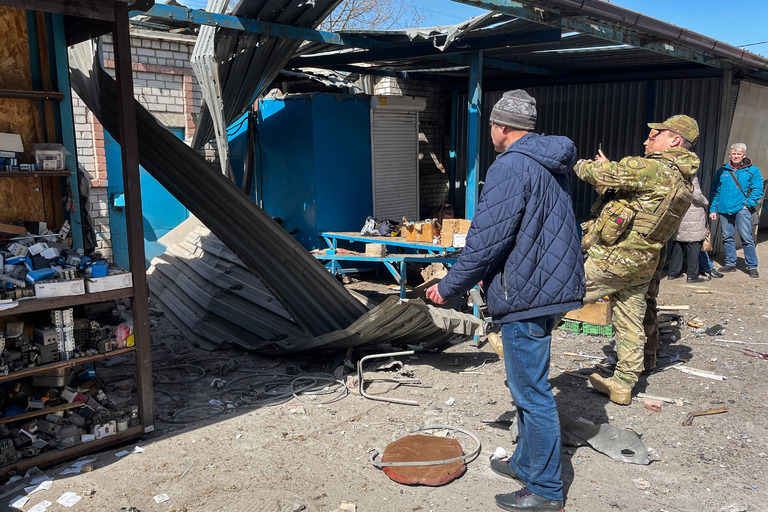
524, 245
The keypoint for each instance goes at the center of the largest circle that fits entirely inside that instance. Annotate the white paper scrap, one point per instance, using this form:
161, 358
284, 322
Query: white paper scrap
70, 471
80, 463
40, 507
161, 498
13, 479
44, 486
19, 502
123, 453
68, 499
39, 479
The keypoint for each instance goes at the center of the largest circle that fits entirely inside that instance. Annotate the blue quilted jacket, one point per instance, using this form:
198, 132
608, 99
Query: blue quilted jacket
523, 242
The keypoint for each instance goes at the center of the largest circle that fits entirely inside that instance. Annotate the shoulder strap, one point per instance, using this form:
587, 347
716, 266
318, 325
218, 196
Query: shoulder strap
733, 175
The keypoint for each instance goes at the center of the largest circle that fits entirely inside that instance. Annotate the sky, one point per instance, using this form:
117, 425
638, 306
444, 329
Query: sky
736, 22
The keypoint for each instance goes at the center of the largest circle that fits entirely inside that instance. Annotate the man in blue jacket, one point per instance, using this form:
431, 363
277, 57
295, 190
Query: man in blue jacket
736, 191
523, 245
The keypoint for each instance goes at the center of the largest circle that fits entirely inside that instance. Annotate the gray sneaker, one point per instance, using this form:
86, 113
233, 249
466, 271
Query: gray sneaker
524, 499
754, 273
501, 467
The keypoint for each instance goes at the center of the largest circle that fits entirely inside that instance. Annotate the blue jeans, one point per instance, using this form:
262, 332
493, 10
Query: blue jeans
537, 457
741, 220
705, 264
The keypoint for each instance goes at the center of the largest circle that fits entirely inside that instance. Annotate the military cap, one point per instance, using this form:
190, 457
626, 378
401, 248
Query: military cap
684, 126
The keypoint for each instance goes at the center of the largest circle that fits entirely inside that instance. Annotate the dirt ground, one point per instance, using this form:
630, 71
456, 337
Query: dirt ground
267, 453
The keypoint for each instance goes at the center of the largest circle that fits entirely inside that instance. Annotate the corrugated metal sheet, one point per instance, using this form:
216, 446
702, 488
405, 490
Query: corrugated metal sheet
214, 300
612, 114
206, 71
248, 62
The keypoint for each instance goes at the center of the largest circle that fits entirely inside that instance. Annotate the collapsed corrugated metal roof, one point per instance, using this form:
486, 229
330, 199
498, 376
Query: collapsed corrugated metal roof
313, 297
248, 62
214, 300
597, 39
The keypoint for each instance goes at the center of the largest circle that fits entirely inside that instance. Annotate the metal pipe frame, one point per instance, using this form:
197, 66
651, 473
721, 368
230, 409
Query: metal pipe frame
361, 379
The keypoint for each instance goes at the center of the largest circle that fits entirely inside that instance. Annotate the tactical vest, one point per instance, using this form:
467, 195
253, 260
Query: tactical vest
659, 226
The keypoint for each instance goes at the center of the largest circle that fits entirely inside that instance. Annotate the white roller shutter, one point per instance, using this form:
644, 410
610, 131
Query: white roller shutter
395, 164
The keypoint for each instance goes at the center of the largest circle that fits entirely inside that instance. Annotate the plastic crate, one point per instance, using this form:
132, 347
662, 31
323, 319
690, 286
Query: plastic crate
573, 326
601, 330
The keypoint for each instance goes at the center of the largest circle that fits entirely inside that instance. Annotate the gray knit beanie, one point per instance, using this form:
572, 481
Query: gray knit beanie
516, 109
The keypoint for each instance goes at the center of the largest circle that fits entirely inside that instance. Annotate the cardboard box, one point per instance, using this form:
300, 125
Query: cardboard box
421, 232
110, 282
375, 250
452, 227
45, 289
598, 313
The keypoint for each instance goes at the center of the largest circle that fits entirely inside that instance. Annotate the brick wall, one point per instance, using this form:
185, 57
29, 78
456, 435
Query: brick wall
434, 137
164, 84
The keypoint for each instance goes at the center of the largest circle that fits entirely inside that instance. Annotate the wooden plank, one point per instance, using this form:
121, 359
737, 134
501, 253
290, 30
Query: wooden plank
31, 95
53, 457
129, 144
40, 412
13, 230
35, 174
598, 313
19, 117
23, 199
30, 305
28, 372
83, 8
45, 75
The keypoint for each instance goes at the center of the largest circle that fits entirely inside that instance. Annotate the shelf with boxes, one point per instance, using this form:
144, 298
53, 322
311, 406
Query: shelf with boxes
52, 403
47, 157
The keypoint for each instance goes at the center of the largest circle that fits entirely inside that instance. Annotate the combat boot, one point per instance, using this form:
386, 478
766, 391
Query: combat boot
618, 393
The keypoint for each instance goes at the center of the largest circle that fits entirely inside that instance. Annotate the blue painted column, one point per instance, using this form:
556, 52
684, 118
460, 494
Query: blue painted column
474, 114
67, 122
452, 150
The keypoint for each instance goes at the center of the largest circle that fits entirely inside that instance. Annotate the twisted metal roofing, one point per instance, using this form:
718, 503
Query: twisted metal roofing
249, 62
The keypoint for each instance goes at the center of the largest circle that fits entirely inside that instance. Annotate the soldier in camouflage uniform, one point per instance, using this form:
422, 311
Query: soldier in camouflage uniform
642, 202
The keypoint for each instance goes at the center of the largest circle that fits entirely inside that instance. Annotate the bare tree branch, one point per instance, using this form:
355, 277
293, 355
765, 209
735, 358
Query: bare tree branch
373, 15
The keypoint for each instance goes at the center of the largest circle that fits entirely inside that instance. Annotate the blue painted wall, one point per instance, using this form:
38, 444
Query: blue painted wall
313, 162
161, 211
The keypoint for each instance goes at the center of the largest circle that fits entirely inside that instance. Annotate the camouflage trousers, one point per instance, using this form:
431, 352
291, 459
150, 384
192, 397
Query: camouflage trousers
627, 297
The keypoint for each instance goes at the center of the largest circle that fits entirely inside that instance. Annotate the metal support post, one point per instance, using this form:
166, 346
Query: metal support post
474, 114
134, 220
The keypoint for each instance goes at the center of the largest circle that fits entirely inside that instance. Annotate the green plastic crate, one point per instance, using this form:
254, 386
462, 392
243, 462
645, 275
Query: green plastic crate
573, 326
602, 330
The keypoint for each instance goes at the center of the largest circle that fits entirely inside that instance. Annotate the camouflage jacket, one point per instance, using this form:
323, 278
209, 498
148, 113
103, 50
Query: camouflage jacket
634, 214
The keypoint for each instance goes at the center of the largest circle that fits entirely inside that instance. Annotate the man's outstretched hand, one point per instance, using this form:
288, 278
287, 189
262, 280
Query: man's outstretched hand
434, 295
